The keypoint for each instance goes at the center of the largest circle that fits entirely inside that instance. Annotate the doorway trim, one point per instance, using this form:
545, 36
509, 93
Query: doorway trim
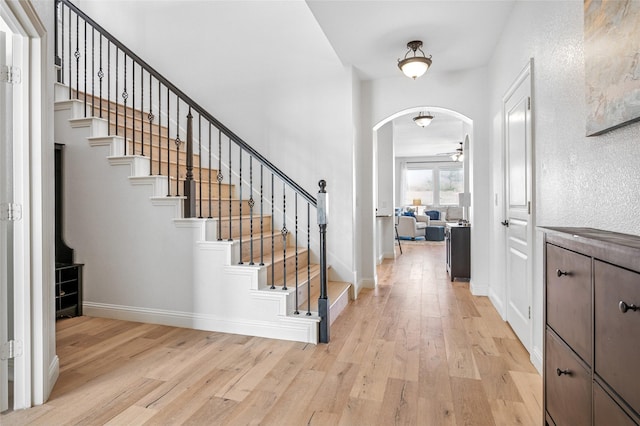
523, 75
37, 369
467, 169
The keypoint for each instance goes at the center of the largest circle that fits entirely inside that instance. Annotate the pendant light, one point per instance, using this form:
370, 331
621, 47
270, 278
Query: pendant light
423, 120
414, 66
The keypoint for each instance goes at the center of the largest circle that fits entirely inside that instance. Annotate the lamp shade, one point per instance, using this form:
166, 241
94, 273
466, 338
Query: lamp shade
417, 202
414, 67
423, 120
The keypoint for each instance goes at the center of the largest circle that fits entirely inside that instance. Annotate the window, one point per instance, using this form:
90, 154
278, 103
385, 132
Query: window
451, 183
434, 184
419, 185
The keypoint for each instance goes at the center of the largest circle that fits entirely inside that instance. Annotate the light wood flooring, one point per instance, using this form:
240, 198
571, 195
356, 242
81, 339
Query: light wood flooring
418, 350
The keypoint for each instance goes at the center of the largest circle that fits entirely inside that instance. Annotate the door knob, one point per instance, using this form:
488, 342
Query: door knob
505, 223
624, 307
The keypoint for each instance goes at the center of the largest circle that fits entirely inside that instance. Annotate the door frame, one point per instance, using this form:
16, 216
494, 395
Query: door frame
526, 72
36, 370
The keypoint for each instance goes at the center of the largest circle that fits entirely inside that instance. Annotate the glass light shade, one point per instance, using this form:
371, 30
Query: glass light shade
423, 120
415, 66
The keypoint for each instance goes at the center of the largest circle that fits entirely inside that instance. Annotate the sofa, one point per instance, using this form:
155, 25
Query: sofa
445, 214
412, 226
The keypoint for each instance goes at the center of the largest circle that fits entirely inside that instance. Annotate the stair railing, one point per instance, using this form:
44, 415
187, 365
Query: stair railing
144, 109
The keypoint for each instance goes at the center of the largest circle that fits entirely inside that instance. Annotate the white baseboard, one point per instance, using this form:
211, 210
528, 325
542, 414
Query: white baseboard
282, 328
536, 359
498, 304
478, 289
54, 373
367, 283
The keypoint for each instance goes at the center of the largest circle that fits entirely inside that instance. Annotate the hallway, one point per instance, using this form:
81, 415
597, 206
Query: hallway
419, 350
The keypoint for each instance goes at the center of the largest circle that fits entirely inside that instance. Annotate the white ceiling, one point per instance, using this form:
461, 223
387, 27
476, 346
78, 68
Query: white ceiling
441, 136
372, 36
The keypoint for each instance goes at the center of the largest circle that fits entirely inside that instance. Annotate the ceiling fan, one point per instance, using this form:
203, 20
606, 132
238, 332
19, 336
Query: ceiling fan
457, 155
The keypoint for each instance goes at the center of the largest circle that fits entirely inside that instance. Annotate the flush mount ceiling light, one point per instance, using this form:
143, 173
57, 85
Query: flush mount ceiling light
423, 120
458, 155
414, 66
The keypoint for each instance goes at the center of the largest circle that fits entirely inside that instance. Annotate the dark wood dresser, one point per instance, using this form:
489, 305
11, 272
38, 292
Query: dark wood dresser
592, 327
458, 242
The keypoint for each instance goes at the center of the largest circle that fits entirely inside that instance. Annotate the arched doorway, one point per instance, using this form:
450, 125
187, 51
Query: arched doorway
399, 144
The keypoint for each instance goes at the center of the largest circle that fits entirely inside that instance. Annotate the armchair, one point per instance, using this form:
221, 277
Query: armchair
412, 227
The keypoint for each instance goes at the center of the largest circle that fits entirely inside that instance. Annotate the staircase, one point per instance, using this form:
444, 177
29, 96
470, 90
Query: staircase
246, 261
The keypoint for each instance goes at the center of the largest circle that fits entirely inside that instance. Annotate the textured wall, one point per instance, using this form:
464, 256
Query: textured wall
579, 181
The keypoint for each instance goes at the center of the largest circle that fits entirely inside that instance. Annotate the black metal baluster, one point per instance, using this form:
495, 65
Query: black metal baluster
70, 55
178, 142
142, 112
125, 96
189, 184
261, 218
284, 232
168, 148
116, 101
160, 130
220, 178
308, 262
109, 85
251, 204
100, 75
93, 55
61, 34
77, 55
132, 106
210, 180
200, 162
85, 68
296, 312
241, 202
151, 117
209, 166
273, 249
230, 186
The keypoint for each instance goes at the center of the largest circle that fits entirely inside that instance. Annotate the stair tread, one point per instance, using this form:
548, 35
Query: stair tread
335, 289
277, 256
314, 270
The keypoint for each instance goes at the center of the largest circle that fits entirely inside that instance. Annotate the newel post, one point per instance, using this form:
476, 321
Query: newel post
323, 300
189, 183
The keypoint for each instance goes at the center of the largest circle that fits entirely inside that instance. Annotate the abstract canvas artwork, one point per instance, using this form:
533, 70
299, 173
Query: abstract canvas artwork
612, 63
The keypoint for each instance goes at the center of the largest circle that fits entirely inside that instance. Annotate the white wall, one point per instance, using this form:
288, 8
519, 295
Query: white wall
266, 70
464, 92
579, 181
384, 179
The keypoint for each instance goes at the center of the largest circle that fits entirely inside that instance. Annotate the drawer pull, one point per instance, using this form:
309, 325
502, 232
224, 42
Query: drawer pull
561, 273
624, 307
561, 372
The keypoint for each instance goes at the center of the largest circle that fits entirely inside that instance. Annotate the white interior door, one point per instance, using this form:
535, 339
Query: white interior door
6, 176
518, 186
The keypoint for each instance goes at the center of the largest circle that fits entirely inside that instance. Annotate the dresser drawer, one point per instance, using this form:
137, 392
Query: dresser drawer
568, 394
568, 300
606, 411
617, 334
